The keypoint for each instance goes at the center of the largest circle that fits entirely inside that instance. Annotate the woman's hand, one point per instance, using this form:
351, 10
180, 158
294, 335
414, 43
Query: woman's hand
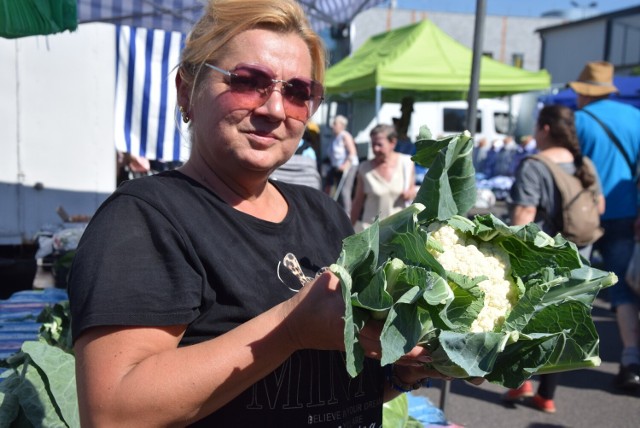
313, 317
410, 374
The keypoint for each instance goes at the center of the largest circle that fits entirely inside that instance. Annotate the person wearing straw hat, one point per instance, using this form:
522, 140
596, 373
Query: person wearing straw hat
609, 134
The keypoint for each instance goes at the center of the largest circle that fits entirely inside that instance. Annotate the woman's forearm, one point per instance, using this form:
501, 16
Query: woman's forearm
137, 376
157, 384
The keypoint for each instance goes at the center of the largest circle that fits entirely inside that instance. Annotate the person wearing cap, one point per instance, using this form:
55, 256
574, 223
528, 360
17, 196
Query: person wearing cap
599, 122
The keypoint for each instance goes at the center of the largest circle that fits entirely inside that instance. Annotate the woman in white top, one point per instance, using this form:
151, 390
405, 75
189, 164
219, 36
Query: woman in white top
386, 183
344, 161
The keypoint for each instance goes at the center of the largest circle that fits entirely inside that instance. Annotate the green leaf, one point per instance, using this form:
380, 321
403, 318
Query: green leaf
395, 413
58, 370
35, 399
465, 355
56, 326
9, 403
354, 352
448, 187
403, 327
549, 328
467, 302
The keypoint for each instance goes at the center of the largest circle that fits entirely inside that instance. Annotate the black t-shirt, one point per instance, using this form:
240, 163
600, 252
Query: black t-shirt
164, 250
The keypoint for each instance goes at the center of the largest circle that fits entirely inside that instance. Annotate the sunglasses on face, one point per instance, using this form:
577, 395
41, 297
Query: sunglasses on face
253, 86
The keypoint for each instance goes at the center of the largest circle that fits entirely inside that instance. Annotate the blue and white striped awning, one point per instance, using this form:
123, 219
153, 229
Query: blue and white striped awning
180, 15
150, 35
168, 15
147, 122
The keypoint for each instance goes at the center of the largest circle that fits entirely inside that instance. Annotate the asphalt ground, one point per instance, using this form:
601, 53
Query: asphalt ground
584, 398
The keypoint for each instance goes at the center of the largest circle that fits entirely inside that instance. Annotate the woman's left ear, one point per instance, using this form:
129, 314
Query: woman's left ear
183, 91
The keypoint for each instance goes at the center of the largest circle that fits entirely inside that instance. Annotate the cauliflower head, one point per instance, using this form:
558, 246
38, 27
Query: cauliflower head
466, 256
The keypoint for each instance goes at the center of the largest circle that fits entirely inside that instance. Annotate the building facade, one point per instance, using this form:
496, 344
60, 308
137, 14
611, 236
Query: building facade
613, 37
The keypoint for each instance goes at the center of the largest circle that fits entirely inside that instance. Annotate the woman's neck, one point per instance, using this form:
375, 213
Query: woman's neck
558, 154
258, 198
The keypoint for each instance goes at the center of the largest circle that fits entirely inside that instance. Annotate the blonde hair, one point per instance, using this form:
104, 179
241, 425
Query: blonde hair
341, 120
225, 19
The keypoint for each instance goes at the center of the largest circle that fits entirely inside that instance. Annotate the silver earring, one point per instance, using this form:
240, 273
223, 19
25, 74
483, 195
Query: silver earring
185, 115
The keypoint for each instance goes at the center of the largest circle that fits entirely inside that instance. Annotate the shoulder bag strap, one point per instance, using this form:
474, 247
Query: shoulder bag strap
615, 141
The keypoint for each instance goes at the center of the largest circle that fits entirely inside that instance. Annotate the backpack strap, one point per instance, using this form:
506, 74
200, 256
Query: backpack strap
567, 184
558, 173
615, 140
559, 176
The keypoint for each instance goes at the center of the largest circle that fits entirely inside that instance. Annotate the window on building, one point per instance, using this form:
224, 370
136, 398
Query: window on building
501, 121
517, 60
487, 54
624, 42
455, 120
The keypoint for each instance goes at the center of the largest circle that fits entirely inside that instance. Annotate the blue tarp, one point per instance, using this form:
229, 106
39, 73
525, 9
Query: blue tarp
629, 87
18, 317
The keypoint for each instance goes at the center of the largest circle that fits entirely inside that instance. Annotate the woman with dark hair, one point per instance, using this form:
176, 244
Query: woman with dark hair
535, 197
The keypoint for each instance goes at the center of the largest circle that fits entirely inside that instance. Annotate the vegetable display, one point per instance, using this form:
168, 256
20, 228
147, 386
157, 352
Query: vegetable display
487, 299
38, 389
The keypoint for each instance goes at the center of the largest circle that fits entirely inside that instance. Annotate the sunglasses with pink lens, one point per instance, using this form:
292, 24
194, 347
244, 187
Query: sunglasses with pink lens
253, 86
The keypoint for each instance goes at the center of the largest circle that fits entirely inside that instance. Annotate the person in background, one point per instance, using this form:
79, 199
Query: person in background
343, 157
505, 157
535, 198
404, 143
480, 151
491, 159
384, 184
526, 148
130, 166
302, 167
593, 87
186, 306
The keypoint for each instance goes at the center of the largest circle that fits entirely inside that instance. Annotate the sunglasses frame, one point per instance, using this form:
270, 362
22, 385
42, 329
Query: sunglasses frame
312, 104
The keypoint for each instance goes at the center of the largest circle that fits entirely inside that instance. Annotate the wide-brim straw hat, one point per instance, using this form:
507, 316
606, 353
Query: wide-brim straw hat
595, 80
313, 127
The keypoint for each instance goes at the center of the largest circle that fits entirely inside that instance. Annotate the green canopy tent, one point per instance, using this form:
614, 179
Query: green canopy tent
423, 62
20, 18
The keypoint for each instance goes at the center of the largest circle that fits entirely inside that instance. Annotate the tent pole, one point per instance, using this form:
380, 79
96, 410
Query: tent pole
478, 36
378, 103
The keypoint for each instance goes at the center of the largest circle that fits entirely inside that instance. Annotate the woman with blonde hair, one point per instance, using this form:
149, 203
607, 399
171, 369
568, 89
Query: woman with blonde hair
188, 305
343, 156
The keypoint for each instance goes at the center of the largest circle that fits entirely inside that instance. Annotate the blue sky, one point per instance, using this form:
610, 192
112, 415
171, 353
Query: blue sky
513, 7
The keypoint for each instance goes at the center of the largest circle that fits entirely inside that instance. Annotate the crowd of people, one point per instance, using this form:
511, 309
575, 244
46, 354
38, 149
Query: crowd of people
194, 319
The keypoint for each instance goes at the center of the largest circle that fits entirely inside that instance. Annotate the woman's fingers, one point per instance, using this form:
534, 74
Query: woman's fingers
314, 316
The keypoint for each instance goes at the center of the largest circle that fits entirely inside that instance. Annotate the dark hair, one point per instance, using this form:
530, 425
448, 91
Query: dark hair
562, 133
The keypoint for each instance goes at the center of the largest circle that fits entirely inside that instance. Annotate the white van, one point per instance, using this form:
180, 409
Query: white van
446, 118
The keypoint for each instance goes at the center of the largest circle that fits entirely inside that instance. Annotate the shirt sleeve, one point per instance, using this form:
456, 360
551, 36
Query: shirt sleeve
132, 267
527, 187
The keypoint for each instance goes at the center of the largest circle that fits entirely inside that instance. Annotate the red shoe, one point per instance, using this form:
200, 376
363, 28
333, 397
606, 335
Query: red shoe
525, 391
543, 404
